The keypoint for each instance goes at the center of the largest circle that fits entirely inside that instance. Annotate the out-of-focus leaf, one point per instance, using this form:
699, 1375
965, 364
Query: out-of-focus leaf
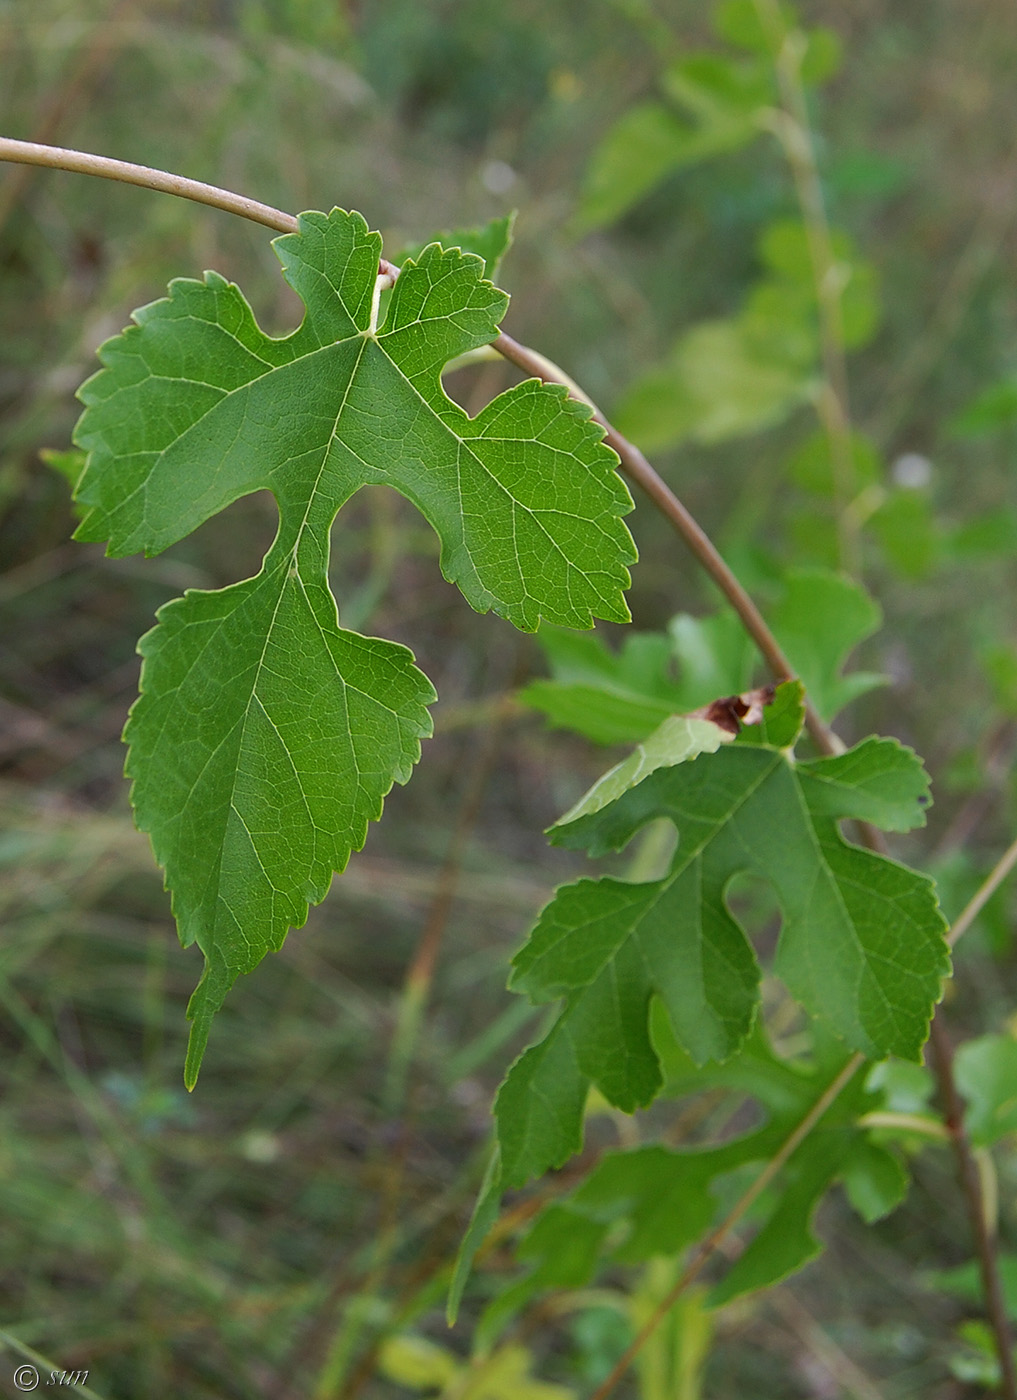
643, 146
721, 97
416, 1363
724, 93
965, 1281
786, 250
991, 535
614, 697
819, 621
875, 1180
489, 241
989, 411
906, 528
822, 57
906, 1087
739, 22
999, 663
715, 385
70, 463
714, 655
811, 466
724, 379
986, 1074
610, 697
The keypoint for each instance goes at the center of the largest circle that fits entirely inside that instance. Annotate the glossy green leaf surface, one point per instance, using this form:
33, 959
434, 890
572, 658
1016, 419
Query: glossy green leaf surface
266, 735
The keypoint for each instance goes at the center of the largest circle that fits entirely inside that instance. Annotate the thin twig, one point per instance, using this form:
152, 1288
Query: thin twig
83, 163
715, 1239
941, 1056
983, 894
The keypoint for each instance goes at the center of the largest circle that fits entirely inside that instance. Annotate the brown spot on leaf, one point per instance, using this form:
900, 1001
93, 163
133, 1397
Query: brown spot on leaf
730, 712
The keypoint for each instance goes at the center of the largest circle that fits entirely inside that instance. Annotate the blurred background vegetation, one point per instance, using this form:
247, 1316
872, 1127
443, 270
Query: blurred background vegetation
278, 1232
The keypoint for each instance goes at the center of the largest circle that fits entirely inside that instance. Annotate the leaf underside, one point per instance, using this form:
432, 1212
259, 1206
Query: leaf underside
266, 736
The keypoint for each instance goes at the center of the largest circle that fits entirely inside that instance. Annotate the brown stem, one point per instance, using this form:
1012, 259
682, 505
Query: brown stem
83, 163
941, 1057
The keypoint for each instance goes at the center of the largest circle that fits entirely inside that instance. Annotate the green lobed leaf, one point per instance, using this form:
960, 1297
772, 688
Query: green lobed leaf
879, 781
266, 736
653, 1201
861, 943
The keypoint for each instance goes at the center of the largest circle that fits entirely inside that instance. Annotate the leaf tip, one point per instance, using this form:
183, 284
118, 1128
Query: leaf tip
196, 1043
